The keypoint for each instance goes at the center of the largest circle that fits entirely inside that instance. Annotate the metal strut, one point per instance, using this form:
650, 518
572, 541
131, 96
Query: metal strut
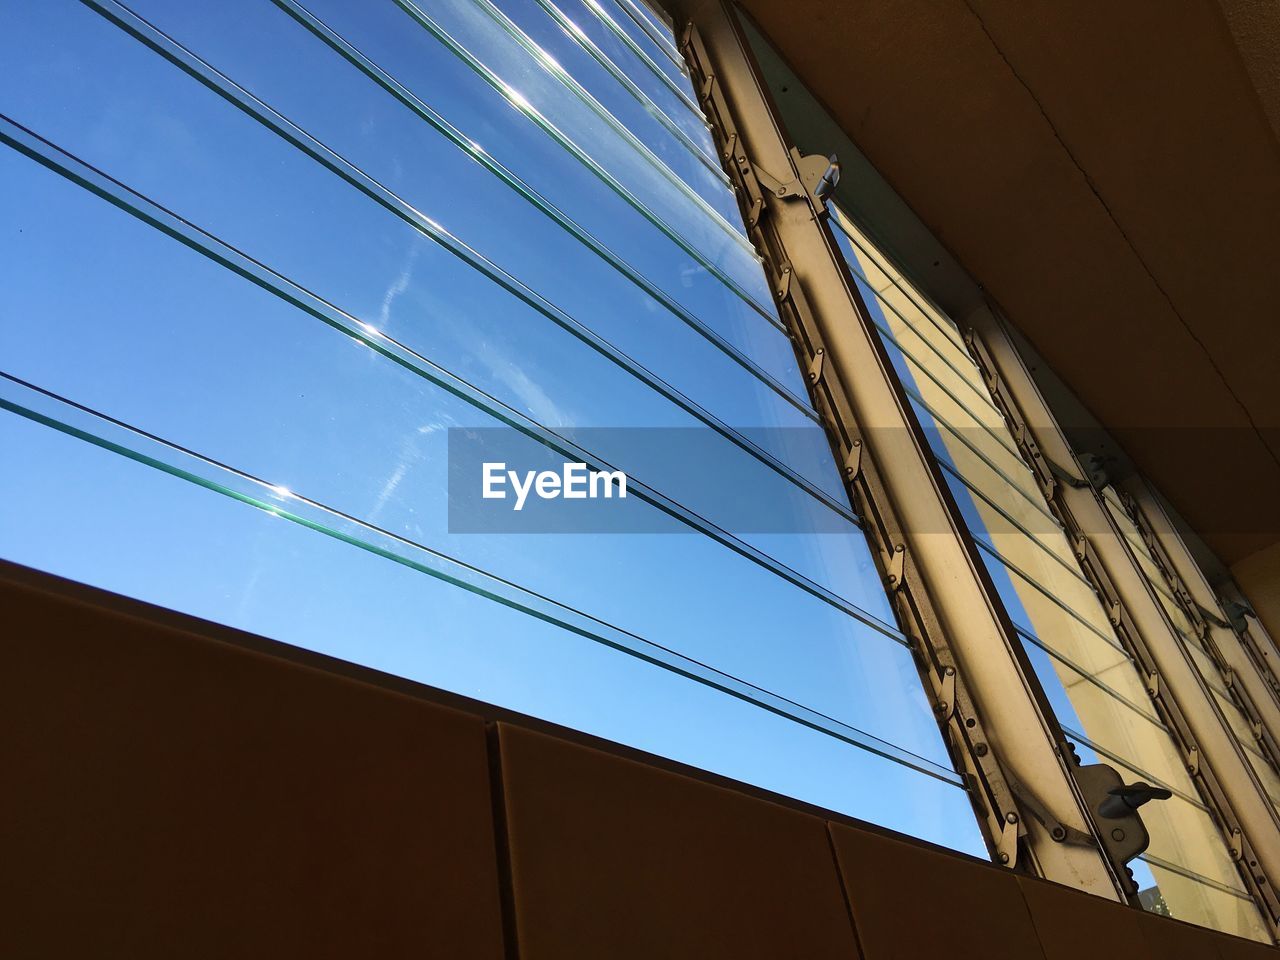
990, 788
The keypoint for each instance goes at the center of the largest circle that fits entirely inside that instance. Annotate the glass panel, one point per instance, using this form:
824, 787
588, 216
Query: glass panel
339, 403
271, 277
674, 95
498, 77
1097, 692
542, 80
655, 43
584, 65
323, 85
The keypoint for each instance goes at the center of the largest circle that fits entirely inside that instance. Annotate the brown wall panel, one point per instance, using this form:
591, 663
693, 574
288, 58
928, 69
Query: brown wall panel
174, 790
1067, 921
169, 796
1233, 948
911, 902
615, 859
1171, 940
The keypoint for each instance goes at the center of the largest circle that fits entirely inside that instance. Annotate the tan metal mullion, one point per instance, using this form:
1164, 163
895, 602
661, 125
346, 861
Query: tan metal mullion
1213, 759
1239, 674
994, 714
1238, 649
1259, 644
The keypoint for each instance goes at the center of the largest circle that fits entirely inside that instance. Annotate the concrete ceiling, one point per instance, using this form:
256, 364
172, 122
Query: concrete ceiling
1109, 171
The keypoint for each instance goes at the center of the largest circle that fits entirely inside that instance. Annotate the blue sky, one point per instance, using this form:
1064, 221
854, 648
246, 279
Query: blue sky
106, 310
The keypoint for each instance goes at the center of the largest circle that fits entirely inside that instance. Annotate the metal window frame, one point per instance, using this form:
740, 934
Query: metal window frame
1258, 642
995, 717
1213, 758
1231, 646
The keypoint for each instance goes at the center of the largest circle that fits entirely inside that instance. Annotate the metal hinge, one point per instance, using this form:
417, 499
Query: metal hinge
1059, 831
1193, 760
946, 706
1210, 617
817, 180
853, 461
815, 368
897, 568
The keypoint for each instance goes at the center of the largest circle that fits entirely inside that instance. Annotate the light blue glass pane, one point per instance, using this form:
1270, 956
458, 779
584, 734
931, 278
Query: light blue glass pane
341, 244
688, 159
657, 43
671, 96
276, 59
473, 25
389, 36
490, 33
201, 356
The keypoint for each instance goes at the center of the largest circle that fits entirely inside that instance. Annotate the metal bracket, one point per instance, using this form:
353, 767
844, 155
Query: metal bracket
1007, 847
1210, 617
1065, 475
897, 568
815, 368
1058, 830
853, 462
1238, 613
1237, 845
1115, 612
946, 707
734, 156
1114, 808
817, 181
